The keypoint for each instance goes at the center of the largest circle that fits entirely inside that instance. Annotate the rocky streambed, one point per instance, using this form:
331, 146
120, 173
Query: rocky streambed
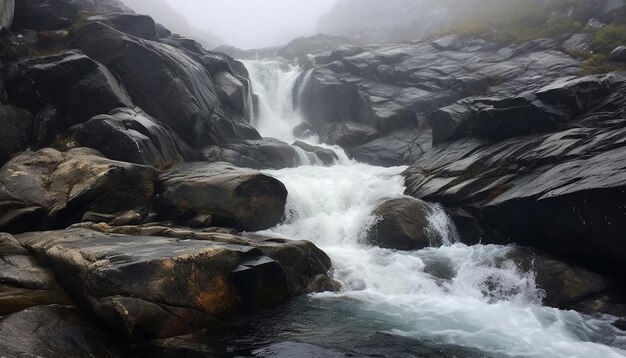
435, 198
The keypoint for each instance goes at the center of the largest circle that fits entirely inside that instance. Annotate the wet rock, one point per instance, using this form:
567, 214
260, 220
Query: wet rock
396, 148
239, 198
137, 25
159, 286
80, 86
565, 285
619, 54
16, 131
231, 91
50, 189
130, 135
402, 225
55, 331
43, 15
395, 87
450, 42
348, 134
189, 102
517, 186
24, 282
303, 46
303, 131
326, 156
267, 153
578, 42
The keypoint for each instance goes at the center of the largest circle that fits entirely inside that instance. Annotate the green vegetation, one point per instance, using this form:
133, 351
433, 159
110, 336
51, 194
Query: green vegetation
518, 21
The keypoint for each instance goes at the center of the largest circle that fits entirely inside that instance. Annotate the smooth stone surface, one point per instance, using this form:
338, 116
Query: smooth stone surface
239, 198
51, 189
158, 286
267, 153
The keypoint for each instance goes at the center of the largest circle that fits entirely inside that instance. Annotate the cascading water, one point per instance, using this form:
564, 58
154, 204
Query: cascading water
452, 300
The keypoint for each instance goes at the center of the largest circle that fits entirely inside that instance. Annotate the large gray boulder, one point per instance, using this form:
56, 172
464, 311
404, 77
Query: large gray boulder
619, 54
233, 197
51, 189
131, 135
167, 83
165, 282
403, 224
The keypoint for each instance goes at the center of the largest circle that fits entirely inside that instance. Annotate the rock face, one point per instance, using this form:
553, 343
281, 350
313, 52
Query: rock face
382, 89
515, 187
234, 197
130, 135
268, 153
159, 286
43, 15
50, 189
326, 156
76, 84
569, 286
403, 224
189, 104
24, 282
55, 331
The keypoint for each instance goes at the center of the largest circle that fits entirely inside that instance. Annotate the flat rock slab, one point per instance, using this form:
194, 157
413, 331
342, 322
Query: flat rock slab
157, 286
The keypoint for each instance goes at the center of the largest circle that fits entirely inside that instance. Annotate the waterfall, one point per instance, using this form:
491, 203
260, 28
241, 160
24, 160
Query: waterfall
273, 83
448, 295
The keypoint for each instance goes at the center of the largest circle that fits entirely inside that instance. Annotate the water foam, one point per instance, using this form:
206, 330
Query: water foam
469, 296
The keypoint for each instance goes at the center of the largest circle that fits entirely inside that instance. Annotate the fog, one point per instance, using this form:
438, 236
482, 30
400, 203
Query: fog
253, 23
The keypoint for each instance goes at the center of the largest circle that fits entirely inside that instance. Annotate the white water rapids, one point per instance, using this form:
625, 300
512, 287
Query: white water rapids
452, 295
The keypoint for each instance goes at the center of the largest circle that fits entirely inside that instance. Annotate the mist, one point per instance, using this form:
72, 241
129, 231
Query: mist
253, 23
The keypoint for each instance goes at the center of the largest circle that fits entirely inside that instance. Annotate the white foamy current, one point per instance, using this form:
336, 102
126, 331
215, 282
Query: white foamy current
455, 294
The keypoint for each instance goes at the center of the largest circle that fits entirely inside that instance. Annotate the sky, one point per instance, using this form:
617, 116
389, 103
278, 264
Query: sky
254, 23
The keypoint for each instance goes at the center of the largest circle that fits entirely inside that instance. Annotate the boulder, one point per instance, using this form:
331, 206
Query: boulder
80, 86
303, 131
267, 153
50, 189
130, 135
397, 148
327, 156
403, 224
55, 331
566, 285
15, 131
168, 83
618, 55
232, 92
239, 198
24, 282
44, 15
136, 25
348, 134
175, 281
578, 42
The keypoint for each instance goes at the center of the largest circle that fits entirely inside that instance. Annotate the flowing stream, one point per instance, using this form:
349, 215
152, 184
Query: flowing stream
454, 300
